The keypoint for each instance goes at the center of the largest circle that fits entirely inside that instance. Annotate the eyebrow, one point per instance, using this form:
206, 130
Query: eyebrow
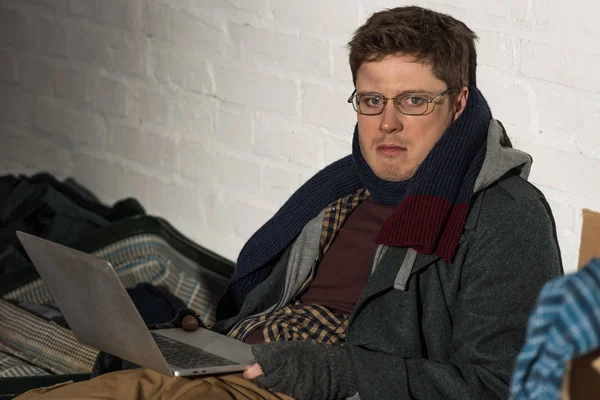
411, 91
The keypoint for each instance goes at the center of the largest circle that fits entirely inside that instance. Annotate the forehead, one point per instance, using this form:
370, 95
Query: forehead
395, 74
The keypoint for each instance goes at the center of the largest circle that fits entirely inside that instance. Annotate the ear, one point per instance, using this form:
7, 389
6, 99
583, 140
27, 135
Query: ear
460, 102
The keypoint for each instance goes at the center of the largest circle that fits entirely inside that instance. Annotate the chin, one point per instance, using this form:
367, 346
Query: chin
393, 176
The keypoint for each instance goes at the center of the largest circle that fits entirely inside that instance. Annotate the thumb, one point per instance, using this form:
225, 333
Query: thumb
253, 372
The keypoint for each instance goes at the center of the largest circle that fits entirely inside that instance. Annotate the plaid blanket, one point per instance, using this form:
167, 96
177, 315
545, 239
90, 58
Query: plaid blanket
42, 343
11, 367
138, 259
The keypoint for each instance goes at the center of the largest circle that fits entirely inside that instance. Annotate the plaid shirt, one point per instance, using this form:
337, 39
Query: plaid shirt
313, 322
564, 324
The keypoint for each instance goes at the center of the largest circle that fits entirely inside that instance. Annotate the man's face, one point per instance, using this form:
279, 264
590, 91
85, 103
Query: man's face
394, 144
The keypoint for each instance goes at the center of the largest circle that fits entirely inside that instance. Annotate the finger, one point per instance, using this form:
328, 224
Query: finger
253, 372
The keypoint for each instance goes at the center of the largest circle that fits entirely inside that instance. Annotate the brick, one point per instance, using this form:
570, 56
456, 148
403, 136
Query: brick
79, 38
153, 106
146, 148
578, 17
224, 244
51, 37
194, 34
59, 5
8, 65
564, 115
108, 96
15, 30
341, 64
277, 49
84, 8
196, 79
281, 137
248, 218
174, 201
112, 49
496, 50
120, 14
75, 125
129, 56
195, 161
17, 168
237, 173
517, 134
108, 180
564, 215
16, 106
329, 18
580, 178
256, 90
560, 64
240, 12
186, 69
570, 256
220, 214
280, 183
193, 115
510, 8
156, 21
162, 61
234, 126
71, 83
35, 152
508, 101
257, 6
337, 148
326, 107
35, 76
587, 136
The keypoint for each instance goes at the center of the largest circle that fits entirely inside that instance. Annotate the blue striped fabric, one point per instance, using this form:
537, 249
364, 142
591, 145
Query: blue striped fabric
565, 323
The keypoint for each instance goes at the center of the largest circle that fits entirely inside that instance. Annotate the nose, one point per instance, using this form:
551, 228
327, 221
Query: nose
390, 120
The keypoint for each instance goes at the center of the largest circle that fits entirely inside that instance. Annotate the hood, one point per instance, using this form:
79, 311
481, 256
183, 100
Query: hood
501, 158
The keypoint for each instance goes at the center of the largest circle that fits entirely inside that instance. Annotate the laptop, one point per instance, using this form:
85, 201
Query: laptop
101, 314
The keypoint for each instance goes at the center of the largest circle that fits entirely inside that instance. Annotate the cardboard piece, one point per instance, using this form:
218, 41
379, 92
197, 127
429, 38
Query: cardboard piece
582, 377
590, 237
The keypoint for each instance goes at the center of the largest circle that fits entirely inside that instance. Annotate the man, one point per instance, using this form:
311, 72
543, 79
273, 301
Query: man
406, 270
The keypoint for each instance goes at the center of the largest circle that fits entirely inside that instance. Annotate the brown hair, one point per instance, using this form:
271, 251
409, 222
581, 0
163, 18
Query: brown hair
445, 43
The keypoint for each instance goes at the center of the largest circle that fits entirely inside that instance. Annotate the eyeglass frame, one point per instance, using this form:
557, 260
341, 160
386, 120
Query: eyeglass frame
385, 100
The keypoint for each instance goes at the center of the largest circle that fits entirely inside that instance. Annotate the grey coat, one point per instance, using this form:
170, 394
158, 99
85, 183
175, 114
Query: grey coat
424, 328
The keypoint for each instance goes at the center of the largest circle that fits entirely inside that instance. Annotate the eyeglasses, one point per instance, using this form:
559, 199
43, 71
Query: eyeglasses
406, 103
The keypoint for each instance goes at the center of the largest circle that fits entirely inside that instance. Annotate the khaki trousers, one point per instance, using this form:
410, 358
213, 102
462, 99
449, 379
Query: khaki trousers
150, 385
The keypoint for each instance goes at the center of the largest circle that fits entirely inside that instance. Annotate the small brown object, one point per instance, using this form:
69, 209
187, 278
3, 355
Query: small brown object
189, 323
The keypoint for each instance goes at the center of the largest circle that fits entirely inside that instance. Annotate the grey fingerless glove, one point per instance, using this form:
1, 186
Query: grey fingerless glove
305, 370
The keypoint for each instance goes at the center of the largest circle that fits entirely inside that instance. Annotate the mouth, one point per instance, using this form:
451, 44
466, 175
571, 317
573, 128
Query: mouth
390, 150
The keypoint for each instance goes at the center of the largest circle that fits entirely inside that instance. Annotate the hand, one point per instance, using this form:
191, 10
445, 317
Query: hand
303, 370
253, 372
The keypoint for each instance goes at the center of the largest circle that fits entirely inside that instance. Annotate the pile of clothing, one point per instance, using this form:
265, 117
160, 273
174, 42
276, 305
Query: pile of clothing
34, 337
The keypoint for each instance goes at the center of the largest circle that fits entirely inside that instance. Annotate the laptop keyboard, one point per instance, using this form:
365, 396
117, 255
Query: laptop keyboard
185, 356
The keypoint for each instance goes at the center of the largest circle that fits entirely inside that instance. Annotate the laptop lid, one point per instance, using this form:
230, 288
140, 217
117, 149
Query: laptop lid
88, 291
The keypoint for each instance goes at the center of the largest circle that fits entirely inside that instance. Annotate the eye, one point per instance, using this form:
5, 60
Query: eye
412, 101
371, 100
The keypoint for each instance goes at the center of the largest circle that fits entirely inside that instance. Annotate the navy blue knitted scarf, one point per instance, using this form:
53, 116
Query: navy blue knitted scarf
431, 207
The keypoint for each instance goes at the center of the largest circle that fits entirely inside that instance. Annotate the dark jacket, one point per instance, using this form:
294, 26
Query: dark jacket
444, 330
456, 330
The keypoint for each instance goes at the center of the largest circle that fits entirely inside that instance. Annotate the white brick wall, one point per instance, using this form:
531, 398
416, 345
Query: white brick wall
213, 112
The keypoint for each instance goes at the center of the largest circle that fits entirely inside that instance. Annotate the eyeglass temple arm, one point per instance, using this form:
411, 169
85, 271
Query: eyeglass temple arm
351, 96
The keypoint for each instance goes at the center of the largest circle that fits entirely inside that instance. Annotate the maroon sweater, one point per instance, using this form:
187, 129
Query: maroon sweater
345, 268
343, 273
